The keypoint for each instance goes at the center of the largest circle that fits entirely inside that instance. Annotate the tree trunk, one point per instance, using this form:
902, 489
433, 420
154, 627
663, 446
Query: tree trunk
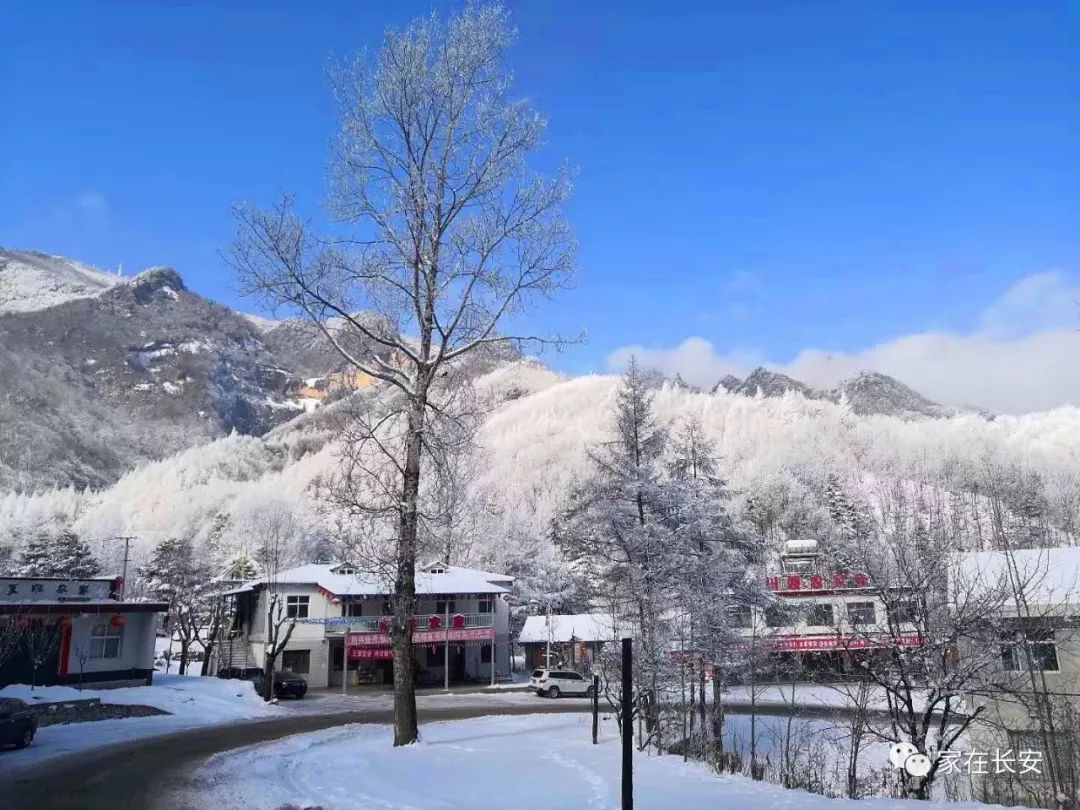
268, 676
717, 732
405, 724
184, 645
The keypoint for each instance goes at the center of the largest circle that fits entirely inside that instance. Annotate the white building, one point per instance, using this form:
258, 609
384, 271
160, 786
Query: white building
342, 625
83, 629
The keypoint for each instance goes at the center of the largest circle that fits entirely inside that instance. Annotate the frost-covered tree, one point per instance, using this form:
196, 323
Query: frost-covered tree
240, 567
63, 554
653, 539
444, 234
176, 574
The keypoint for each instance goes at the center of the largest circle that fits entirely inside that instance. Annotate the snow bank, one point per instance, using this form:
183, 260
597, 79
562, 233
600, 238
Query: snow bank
191, 702
203, 700
511, 761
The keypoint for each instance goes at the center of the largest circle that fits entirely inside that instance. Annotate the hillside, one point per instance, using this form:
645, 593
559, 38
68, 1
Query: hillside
31, 281
102, 375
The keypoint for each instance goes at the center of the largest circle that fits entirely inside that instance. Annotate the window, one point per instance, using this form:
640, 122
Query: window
296, 607
820, 616
904, 612
346, 569
798, 565
776, 617
1041, 645
861, 613
485, 606
485, 654
441, 606
438, 570
105, 640
354, 608
741, 616
298, 661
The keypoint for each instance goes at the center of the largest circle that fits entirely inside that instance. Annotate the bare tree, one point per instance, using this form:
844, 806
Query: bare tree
450, 237
933, 610
277, 530
40, 641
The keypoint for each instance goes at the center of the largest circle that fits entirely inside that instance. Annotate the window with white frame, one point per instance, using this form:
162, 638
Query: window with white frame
1040, 655
860, 613
296, 607
485, 606
105, 640
820, 615
741, 616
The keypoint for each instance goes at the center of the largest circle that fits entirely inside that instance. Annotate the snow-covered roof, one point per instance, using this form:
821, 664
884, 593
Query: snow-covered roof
451, 581
1050, 577
568, 627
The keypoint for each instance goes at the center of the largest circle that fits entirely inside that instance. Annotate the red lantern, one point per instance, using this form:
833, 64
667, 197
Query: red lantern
434, 623
117, 622
458, 621
384, 625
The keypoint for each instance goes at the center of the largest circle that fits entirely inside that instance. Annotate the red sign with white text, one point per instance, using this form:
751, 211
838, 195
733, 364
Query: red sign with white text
424, 636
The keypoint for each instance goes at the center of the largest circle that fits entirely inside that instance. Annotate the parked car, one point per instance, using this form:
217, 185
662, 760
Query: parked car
286, 683
557, 682
17, 723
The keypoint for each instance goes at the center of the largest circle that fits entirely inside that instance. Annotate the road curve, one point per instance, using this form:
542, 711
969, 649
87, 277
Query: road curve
141, 774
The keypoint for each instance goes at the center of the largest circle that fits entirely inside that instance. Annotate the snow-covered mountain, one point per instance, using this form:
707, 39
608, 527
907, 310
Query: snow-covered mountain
185, 418
867, 393
101, 374
31, 281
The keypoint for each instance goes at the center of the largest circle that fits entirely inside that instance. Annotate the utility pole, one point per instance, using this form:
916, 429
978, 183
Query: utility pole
627, 725
127, 557
446, 644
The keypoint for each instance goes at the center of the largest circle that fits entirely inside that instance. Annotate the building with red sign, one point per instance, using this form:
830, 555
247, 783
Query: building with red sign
75, 631
461, 631
823, 622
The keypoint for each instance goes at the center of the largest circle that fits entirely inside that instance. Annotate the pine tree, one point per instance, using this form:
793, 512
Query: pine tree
175, 575
240, 567
61, 555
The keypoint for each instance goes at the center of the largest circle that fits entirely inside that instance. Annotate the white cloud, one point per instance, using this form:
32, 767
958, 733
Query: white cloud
92, 203
1023, 356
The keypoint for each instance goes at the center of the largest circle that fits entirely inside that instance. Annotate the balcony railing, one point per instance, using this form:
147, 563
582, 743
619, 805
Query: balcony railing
380, 624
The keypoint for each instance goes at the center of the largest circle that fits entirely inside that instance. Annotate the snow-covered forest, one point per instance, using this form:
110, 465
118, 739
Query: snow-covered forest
778, 456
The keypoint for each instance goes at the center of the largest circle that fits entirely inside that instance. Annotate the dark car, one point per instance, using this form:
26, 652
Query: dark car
289, 684
17, 723
286, 683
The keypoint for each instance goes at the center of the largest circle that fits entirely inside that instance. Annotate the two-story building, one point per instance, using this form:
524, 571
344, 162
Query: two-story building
823, 623
342, 619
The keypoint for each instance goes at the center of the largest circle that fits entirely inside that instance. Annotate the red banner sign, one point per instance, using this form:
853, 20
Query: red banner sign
812, 643
817, 582
371, 653
424, 636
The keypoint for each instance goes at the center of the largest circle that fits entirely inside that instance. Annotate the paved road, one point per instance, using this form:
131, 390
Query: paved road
145, 774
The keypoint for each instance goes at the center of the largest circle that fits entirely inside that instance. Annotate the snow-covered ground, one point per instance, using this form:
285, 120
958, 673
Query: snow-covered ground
493, 761
191, 702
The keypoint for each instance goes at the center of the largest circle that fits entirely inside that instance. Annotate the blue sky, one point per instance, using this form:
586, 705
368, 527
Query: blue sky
766, 177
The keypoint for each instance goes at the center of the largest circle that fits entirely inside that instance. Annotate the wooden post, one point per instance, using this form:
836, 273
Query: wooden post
595, 708
627, 725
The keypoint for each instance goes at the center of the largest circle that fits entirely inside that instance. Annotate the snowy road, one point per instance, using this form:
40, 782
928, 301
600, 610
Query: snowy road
145, 773
512, 762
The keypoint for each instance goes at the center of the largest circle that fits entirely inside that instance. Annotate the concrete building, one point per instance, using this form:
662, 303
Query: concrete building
78, 630
342, 625
824, 623
1032, 699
